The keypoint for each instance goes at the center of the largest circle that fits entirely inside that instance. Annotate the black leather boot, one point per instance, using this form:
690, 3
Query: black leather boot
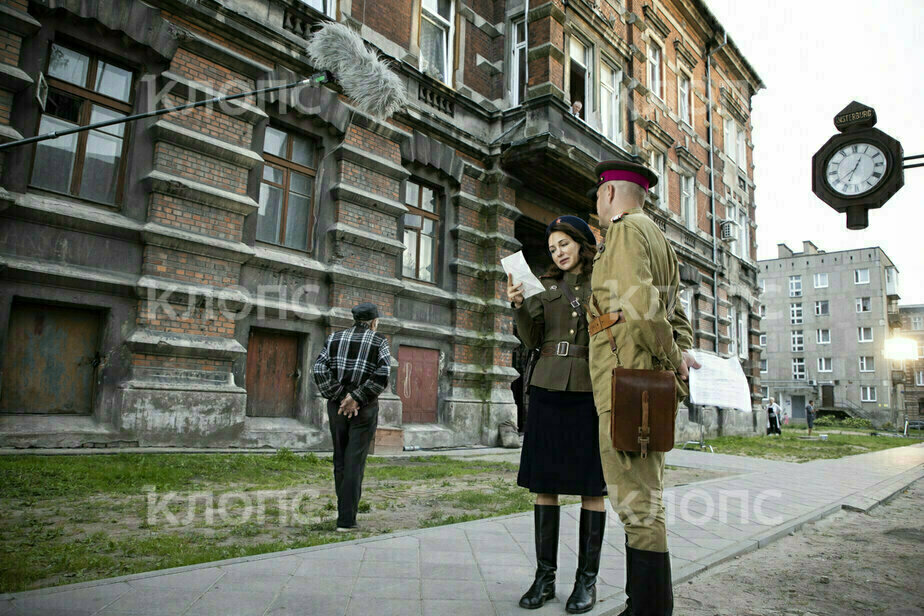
628, 610
590, 540
652, 588
546, 518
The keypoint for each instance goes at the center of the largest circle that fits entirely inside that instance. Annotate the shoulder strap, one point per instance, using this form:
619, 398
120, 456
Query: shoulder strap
569, 294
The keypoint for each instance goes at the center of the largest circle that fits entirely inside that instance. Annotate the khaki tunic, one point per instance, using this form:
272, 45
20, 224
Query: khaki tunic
549, 317
637, 273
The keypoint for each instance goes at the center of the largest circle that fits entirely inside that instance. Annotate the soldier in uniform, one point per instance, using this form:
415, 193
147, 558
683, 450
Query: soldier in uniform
562, 419
636, 278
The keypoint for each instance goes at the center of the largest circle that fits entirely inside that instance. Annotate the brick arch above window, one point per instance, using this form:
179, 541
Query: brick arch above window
139, 22
431, 152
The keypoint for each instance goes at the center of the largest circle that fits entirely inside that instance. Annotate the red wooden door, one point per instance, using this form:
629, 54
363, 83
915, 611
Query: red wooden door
418, 380
50, 360
272, 374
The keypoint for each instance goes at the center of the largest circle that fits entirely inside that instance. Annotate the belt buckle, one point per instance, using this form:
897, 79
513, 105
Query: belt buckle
563, 348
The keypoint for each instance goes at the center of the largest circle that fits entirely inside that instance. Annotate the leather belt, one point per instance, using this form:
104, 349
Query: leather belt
564, 349
604, 321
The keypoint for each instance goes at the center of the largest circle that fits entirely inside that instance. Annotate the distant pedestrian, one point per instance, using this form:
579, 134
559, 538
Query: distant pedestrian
774, 415
351, 371
810, 416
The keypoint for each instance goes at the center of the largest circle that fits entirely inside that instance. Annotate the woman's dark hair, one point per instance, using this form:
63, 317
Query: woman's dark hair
586, 254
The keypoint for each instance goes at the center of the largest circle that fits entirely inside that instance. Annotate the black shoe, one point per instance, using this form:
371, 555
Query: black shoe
590, 540
650, 585
546, 518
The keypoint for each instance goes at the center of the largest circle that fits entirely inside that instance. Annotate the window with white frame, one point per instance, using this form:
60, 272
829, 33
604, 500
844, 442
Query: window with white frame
795, 314
919, 378
684, 98
763, 365
861, 276
798, 368
733, 330
825, 364
823, 336
659, 166
762, 311
688, 201
686, 301
328, 7
867, 363
864, 304
822, 308
518, 62
744, 233
609, 102
763, 340
743, 334
821, 281
917, 323
741, 155
436, 38
867, 393
795, 286
920, 350
865, 334
798, 341
762, 285
655, 80
729, 136
581, 77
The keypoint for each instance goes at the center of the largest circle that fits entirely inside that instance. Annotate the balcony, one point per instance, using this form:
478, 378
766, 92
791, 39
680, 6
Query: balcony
895, 319
898, 377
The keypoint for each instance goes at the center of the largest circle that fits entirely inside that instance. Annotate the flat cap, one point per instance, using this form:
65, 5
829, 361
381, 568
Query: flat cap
366, 311
621, 170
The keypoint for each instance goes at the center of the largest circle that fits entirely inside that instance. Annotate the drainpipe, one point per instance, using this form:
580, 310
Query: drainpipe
715, 264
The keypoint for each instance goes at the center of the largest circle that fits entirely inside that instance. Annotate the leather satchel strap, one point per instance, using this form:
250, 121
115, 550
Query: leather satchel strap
604, 321
569, 294
609, 334
644, 431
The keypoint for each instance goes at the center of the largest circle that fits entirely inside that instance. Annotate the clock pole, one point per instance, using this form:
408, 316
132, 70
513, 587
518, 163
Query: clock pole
913, 158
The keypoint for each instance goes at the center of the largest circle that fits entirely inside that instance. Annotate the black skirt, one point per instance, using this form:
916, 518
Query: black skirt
561, 452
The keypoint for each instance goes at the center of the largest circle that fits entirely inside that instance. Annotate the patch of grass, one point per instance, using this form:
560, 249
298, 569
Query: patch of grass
423, 468
791, 448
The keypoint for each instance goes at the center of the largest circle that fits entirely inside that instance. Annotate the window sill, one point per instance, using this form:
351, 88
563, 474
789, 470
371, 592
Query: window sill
112, 207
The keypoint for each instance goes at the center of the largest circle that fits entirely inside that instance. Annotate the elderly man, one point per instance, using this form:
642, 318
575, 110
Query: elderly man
635, 283
351, 371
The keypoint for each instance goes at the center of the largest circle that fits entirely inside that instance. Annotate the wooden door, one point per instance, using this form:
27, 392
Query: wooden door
272, 374
798, 407
50, 360
827, 395
418, 384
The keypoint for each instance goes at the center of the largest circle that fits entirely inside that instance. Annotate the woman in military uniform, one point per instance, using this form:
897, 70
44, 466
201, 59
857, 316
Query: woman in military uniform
560, 453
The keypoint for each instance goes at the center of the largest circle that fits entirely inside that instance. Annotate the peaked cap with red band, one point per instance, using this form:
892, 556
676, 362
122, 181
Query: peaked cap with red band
622, 171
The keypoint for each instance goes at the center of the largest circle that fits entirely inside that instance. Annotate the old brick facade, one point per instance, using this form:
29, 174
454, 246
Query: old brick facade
241, 234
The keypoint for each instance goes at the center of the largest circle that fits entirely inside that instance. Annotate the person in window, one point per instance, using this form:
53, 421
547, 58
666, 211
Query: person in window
774, 415
576, 108
560, 453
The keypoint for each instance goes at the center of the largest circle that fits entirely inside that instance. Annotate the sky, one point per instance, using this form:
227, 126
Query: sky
815, 57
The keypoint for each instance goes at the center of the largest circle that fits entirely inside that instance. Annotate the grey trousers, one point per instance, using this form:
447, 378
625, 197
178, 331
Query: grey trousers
352, 438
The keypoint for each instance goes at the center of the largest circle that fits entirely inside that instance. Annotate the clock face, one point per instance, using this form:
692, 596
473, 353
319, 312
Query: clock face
856, 169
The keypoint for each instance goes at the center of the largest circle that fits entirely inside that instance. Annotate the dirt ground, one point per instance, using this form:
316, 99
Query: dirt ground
847, 564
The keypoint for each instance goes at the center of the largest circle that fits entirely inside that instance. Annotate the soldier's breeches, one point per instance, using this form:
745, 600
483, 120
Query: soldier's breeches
636, 491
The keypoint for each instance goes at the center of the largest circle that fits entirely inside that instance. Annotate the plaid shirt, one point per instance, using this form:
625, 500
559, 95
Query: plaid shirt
354, 361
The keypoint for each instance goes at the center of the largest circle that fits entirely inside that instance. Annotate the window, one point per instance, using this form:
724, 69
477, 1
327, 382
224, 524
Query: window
685, 99
518, 62
795, 286
436, 36
798, 341
581, 79
861, 276
328, 7
823, 336
286, 192
919, 378
421, 227
84, 89
821, 281
686, 301
763, 340
764, 392
762, 311
867, 363
863, 304
609, 102
660, 168
795, 314
743, 334
920, 350
917, 323
798, 368
763, 365
744, 233
762, 285
867, 393
825, 364
822, 308
655, 83
741, 156
728, 138
688, 201
865, 334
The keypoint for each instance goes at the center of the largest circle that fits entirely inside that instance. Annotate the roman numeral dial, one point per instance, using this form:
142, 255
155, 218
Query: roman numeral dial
856, 169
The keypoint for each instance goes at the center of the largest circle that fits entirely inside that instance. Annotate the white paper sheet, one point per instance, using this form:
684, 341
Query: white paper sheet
516, 264
719, 382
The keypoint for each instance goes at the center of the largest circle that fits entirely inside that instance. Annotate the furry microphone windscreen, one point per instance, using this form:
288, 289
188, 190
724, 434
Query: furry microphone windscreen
365, 78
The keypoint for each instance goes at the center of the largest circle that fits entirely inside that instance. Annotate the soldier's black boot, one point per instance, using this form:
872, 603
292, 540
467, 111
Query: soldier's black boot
628, 610
652, 587
590, 540
545, 522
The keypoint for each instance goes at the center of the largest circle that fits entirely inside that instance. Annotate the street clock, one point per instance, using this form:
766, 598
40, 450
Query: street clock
858, 169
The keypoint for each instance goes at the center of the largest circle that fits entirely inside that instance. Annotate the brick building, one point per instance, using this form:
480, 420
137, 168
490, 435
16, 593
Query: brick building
908, 374
169, 281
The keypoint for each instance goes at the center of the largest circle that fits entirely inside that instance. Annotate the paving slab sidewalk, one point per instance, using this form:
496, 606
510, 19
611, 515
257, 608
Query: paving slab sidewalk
483, 567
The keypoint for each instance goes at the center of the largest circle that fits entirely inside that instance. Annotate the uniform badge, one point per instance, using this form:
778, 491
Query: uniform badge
553, 287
